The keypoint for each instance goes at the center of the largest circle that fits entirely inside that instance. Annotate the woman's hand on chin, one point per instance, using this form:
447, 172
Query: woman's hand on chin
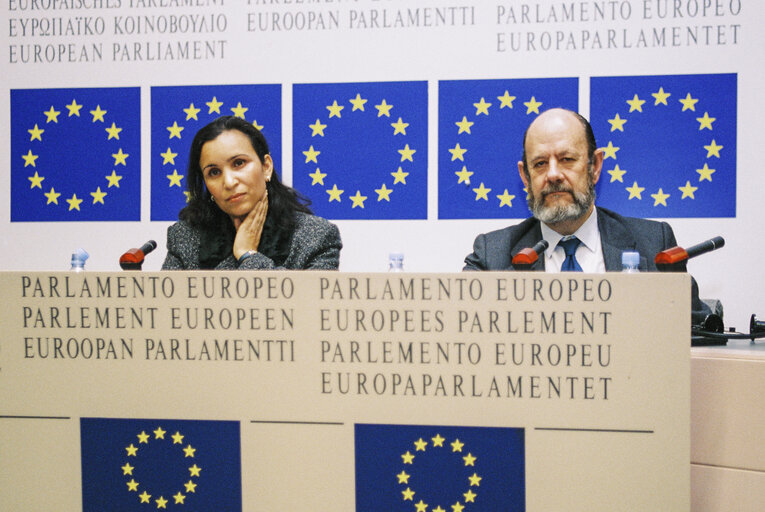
249, 230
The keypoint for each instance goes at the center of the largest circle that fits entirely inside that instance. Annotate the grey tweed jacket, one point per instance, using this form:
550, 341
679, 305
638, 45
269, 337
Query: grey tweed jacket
315, 245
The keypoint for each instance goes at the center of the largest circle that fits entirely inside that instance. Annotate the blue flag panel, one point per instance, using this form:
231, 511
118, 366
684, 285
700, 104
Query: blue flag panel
360, 151
75, 155
480, 140
439, 468
177, 114
141, 464
670, 144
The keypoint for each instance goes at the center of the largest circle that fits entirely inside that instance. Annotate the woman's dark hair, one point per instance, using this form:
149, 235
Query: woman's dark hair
203, 213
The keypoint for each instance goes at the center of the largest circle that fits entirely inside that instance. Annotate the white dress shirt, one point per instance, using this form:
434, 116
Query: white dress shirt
589, 254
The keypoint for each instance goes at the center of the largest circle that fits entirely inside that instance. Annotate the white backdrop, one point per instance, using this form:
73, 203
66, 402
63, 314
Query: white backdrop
468, 46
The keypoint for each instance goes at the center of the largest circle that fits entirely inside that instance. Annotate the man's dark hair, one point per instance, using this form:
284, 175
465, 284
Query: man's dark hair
588, 134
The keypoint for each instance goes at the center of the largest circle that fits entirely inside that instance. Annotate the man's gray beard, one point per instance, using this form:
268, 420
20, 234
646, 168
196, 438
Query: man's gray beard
560, 213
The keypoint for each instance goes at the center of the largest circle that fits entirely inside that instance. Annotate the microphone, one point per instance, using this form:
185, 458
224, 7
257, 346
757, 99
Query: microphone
133, 259
525, 258
674, 258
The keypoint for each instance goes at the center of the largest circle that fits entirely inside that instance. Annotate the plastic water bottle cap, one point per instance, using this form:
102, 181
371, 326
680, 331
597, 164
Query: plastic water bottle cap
630, 259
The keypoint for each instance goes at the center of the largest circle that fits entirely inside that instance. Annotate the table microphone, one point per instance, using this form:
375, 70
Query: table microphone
133, 259
525, 258
675, 257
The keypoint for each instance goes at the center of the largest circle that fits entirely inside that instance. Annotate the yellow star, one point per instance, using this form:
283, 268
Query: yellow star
188, 195
52, 196
132, 485
334, 109
457, 507
457, 445
636, 104
127, 469
706, 121
311, 154
36, 180
256, 125
482, 107
98, 114
610, 151
120, 157
239, 110
175, 130
317, 128
177, 438
469, 459
131, 450
506, 100
420, 445
635, 191
175, 178
689, 103
421, 506
505, 199
438, 509
114, 179
190, 486
114, 132
469, 496
475, 480
617, 123
74, 203
179, 498
189, 451
464, 175
408, 494
705, 173
192, 111
616, 174
407, 457
168, 157
713, 149
161, 502
464, 125
660, 198
74, 109
532, 105
159, 433
195, 470
399, 176
383, 109
383, 193
399, 127
482, 192
403, 477
98, 196
438, 440
406, 153
317, 177
29, 159
334, 193
688, 190
214, 105
51, 115
35, 133
457, 152
358, 200
145, 497
358, 103
661, 96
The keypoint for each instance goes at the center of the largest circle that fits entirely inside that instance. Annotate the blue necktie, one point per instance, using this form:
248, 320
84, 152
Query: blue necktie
569, 246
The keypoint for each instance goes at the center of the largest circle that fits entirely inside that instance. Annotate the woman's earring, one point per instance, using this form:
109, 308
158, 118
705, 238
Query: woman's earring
212, 199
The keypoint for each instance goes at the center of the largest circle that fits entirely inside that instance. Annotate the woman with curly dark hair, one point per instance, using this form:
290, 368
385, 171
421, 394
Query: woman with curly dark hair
239, 215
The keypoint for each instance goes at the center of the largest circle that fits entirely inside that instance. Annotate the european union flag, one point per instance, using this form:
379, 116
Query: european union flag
137, 464
670, 144
439, 469
75, 155
360, 151
177, 114
481, 125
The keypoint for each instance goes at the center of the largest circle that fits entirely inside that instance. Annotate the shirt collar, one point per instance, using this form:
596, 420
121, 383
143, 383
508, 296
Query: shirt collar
587, 233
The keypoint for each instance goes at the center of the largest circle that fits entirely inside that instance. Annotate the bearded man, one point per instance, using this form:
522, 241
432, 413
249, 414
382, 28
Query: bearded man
560, 166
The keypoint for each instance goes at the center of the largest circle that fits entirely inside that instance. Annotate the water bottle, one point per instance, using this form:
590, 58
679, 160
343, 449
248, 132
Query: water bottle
395, 262
630, 261
78, 260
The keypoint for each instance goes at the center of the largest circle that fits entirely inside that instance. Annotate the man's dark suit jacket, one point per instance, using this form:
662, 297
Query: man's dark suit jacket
495, 250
